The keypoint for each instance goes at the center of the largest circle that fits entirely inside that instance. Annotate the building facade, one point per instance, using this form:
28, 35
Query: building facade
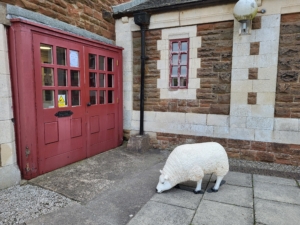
206, 82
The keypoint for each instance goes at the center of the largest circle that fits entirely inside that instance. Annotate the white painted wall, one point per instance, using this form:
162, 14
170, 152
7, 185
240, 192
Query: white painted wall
9, 171
245, 122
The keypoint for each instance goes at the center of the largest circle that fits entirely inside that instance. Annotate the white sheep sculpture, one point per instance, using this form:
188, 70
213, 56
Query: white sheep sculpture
192, 162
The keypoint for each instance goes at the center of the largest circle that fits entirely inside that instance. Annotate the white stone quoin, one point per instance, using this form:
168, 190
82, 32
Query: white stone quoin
9, 171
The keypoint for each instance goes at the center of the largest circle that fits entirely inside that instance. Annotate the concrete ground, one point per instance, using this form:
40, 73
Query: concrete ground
118, 187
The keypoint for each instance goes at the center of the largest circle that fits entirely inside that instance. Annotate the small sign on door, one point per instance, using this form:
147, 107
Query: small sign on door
61, 100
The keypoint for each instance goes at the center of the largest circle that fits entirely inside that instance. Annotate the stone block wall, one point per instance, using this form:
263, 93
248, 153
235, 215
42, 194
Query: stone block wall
215, 71
9, 171
288, 77
212, 77
288, 154
94, 16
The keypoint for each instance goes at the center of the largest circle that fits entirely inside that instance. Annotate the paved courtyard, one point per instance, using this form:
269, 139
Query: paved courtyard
118, 188
244, 199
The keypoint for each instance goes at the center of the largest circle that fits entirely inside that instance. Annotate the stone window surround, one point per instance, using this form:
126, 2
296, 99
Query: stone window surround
163, 64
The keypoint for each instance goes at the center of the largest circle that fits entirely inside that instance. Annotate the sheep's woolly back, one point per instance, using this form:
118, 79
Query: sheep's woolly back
210, 156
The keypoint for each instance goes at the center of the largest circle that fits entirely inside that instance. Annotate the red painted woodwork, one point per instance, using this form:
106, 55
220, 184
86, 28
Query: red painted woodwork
55, 141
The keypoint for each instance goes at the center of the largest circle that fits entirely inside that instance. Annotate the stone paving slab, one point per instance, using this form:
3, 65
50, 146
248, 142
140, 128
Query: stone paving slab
215, 213
156, 213
179, 197
276, 213
236, 178
239, 179
273, 180
276, 192
230, 194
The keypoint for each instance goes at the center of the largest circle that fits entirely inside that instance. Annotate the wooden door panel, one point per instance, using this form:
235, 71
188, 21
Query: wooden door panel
64, 159
51, 132
111, 121
76, 128
94, 124
103, 112
59, 97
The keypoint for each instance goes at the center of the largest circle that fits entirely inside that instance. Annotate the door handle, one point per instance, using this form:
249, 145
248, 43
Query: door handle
88, 104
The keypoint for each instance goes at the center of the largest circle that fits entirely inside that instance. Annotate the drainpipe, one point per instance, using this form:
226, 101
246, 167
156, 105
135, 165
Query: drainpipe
142, 19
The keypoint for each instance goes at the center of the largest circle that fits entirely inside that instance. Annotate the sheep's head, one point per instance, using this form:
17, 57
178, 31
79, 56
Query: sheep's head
163, 183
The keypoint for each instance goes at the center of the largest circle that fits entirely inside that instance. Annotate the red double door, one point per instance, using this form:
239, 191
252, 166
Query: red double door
77, 101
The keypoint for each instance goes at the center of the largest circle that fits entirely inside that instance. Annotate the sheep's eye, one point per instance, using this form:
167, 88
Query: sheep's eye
162, 182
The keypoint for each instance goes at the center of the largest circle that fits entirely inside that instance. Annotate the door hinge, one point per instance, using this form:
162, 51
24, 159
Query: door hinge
27, 151
117, 62
117, 100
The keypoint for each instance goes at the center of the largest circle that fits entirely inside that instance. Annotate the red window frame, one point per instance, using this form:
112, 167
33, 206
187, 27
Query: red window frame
177, 73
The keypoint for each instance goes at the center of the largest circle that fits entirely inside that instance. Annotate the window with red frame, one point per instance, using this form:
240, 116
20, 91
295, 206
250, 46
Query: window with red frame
179, 61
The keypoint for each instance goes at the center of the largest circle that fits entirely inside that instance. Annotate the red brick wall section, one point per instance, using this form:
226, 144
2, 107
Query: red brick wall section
91, 15
216, 55
288, 78
288, 154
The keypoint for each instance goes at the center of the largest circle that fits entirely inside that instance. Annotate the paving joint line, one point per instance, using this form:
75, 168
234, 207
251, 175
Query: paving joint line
254, 218
201, 198
229, 204
279, 201
171, 204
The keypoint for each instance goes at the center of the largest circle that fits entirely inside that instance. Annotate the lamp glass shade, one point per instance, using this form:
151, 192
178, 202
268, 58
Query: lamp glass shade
245, 10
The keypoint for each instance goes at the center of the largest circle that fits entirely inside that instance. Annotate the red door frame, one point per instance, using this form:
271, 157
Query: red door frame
20, 36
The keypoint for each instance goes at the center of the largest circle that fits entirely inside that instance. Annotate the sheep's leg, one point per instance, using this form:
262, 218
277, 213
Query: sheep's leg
198, 188
217, 185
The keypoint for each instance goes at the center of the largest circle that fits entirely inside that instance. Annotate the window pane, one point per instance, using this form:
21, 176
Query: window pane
92, 79
174, 70
75, 97
92, 61
175, 59
110, 97
48, 99
101, 62
183, 60
74, 58
46, 53
184, 46
174, 81
183, 71
102, 80
75, 78
62, 77
47, 77
110, 64
175, 47
110, 80
102, 97
61, 56
93, 96
183, 82
62, 98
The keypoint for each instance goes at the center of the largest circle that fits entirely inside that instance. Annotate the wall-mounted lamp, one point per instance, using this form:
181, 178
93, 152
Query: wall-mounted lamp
245, 11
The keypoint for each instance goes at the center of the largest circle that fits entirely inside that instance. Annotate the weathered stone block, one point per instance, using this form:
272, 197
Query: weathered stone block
139, 143
254, 48
253, 73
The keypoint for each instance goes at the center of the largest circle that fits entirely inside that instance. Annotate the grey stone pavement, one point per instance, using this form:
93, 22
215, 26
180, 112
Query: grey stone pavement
118, 187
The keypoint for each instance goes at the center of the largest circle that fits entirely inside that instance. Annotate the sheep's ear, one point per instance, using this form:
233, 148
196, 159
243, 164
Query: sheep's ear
161, 171
166, 177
